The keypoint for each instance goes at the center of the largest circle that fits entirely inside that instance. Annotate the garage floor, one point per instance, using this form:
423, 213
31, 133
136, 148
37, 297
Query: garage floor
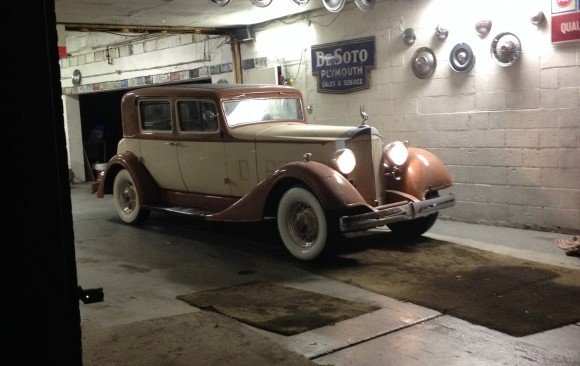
142, 270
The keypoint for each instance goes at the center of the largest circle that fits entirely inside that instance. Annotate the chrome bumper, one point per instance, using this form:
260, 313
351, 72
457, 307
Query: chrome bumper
404, 212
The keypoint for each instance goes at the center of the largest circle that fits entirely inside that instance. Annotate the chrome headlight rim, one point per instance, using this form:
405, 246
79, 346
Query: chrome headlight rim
343, 161
396, 153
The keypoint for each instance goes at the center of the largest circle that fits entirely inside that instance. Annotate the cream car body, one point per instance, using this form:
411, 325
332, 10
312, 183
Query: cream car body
246, 153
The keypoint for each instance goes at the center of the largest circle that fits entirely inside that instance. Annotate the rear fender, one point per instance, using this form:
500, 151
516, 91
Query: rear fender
422, 173
332, 189
146, 187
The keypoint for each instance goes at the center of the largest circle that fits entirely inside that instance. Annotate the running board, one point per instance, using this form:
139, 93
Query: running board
180, 210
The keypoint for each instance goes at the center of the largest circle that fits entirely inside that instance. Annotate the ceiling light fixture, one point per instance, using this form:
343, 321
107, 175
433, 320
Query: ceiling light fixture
261, 3
333, 6
219, 2
365, 5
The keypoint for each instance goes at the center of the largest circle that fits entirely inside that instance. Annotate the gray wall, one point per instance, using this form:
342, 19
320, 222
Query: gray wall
510, 135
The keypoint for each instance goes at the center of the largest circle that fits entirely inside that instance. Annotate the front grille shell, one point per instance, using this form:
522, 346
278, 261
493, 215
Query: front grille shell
368, 149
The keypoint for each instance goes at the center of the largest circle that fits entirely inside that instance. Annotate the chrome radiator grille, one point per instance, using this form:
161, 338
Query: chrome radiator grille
365, 177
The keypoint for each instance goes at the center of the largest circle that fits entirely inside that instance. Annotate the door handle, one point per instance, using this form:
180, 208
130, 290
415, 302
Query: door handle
172, 143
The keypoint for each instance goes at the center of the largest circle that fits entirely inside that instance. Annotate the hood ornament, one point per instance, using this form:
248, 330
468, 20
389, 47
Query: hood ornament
538, 18
364, 115
441, 33
483, 27
409, 36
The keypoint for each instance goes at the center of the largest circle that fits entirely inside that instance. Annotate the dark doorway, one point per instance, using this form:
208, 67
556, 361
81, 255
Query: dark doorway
101, 111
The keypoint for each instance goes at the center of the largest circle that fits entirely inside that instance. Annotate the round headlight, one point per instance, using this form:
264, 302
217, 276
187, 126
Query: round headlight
397, 153
343, 160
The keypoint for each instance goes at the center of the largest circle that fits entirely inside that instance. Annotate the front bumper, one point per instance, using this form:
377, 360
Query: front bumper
393, 213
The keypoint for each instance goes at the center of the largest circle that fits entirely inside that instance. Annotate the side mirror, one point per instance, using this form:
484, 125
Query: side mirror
208, 116
209, 121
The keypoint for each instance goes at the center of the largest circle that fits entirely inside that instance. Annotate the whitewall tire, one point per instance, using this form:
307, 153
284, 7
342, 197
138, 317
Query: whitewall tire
127, 200
302, 224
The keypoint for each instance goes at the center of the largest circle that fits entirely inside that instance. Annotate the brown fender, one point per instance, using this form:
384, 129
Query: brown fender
144, 183
332, 189
423, 172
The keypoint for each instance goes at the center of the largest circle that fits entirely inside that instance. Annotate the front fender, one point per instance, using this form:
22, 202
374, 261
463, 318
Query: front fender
423, 172
146, 187
332, 189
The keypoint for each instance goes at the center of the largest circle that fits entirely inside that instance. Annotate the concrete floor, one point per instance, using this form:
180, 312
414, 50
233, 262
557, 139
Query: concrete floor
142, 270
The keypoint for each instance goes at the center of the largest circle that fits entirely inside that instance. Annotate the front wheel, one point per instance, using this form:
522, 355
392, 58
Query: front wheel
127, 200
302, 224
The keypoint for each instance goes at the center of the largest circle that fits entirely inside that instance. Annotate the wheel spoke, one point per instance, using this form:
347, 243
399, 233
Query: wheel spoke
303, 224
128, 198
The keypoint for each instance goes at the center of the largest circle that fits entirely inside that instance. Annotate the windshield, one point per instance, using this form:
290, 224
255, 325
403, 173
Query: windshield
259, 110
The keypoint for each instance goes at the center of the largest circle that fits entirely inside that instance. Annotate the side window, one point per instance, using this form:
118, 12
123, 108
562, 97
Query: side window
155, 115
191, 117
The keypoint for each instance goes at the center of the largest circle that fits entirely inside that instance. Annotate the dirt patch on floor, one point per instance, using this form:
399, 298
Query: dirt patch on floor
510, 295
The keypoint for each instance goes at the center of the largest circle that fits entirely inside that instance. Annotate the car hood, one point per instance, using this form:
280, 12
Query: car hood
294, 132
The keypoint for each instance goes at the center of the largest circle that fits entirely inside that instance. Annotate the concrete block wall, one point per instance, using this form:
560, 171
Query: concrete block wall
509, 135
137, 56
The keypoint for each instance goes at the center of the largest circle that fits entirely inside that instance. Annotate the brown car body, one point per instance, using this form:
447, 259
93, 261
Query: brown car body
240, 168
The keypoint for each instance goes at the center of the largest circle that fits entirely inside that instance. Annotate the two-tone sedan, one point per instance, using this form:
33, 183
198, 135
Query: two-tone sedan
246, 153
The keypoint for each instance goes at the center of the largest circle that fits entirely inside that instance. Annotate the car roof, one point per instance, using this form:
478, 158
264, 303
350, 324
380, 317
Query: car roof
218, 90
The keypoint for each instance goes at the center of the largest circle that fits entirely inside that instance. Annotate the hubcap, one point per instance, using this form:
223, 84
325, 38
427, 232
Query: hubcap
303, 225
128, 198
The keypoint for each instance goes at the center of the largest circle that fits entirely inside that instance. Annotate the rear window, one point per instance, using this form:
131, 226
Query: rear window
155, 115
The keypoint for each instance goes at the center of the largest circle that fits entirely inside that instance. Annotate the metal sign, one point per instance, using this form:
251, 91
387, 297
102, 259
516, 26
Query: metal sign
565, 20
343, 67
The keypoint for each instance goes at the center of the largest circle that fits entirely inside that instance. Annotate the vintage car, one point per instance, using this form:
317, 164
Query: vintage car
245, 153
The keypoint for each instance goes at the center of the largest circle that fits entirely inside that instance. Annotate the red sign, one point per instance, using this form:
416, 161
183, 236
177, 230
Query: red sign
566, 27
563, 6
563, 3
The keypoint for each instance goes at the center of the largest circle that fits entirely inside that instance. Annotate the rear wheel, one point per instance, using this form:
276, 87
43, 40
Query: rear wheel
414, 228
302, 224
127, 200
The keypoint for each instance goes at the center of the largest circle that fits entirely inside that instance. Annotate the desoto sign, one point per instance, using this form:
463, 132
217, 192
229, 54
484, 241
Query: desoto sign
565, 20
343, 67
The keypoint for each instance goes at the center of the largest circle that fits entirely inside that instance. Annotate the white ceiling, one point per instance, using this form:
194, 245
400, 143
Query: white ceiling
177, 13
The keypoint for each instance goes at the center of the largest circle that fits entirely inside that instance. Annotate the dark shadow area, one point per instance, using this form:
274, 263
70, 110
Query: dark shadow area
40, 320
507, 294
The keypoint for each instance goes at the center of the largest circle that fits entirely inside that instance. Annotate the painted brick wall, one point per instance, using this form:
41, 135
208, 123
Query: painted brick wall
510, 135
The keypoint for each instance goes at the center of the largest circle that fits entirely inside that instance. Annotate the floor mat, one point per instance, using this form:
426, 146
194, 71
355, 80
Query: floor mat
510, 295
277, 309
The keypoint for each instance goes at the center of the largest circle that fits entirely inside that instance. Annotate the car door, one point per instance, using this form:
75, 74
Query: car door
200, 150
158, 145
